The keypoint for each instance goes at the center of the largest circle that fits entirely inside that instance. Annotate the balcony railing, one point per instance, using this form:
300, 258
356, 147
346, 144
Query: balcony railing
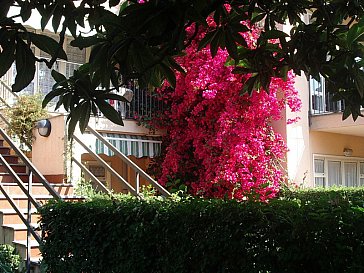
321, 101
144, 103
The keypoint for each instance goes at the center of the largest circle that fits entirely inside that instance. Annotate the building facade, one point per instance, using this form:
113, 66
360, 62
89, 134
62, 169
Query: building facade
324, 150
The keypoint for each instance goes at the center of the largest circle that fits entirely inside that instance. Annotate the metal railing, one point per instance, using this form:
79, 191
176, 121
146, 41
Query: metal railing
321, 100
97, 183
26, 189
144, 104
7, 96
140, 173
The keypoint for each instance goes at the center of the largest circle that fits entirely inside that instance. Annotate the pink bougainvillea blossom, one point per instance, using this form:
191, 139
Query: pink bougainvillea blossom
220, 143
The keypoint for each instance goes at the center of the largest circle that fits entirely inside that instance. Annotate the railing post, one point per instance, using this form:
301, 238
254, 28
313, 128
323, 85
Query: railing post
29, 219
137, 183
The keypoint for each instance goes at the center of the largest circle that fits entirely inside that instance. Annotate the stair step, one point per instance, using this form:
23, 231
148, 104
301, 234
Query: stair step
9, 216
15, 232
6, 177
42, 197
21, 200
11, 158
38, 189
21, 246
18, 168
4, 150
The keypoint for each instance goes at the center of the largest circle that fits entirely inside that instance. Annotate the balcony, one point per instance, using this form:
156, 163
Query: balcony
326, 114
321, 101
144, 103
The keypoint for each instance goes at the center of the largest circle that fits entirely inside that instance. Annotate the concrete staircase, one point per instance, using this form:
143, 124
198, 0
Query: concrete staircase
12, 229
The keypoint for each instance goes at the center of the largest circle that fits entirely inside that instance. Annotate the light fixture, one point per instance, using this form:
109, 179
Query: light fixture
348, 152
44, 127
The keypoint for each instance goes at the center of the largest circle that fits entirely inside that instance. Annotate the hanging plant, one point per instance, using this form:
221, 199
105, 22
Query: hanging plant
22, 117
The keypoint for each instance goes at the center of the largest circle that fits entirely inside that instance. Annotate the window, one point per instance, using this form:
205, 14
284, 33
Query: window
321, 99
338, 171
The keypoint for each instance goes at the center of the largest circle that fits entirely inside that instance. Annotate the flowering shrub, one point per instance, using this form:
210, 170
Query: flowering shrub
220, 142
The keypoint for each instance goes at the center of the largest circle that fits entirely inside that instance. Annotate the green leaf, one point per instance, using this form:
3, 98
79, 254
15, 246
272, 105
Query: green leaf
72, 26
46, 15
25, 10
215, 42
56, 20
110, 96
355, 32
113, 3
347, 112
231, 45
7, 57
51, 95
176, 66
72, 121
249, 85
25, 66
274, 34
83, 42
59, 102
256, 17
47, 44
359, 83
206, 40
58, 77
85, 112
169, 74
109, 112
67, 99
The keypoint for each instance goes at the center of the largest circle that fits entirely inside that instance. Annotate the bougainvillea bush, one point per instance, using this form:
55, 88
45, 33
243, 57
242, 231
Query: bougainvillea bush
219, 141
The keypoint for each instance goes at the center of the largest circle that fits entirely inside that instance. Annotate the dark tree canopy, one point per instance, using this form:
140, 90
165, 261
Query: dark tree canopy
142, 41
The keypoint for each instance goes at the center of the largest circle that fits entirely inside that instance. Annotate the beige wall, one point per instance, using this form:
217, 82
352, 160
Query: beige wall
130, 127
298, 135
48, 152
334, 144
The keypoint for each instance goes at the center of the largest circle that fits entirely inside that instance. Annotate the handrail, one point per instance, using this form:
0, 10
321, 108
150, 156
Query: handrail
129, 162
4, 119
4, 102
20, 214
91, 175
19, 182
106, 166
9, 88
27, 162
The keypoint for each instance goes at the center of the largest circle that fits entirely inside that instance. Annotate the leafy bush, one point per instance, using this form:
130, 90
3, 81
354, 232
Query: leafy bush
307, 231
9, 259
23, 115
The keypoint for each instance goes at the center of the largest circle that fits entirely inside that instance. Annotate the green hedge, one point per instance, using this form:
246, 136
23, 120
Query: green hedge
313, 231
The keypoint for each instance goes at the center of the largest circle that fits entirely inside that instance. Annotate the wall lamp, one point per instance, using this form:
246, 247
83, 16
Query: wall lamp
348, 152
44, 127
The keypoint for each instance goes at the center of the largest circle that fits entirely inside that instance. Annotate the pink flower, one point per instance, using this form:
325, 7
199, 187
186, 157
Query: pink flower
220, 143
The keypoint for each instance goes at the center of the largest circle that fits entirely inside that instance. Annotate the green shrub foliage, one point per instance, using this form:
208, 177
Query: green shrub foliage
311, 231
23, 116
9, 259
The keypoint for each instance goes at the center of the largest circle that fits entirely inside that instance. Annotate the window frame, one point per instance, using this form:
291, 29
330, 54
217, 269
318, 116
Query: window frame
342, 159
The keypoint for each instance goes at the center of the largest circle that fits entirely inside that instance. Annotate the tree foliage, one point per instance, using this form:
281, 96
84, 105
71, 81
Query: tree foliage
143, 40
